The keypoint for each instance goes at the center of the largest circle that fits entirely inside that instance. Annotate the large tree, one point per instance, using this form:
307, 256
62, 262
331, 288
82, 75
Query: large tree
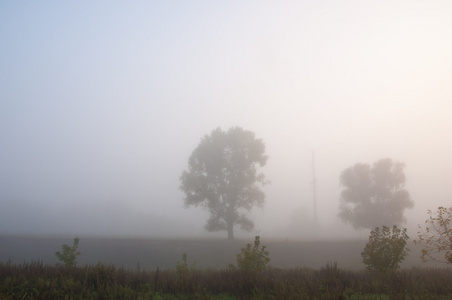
223, 177
374, 195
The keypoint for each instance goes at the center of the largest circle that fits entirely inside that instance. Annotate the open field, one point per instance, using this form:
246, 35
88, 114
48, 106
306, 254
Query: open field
149, 254
38, 281
113, 268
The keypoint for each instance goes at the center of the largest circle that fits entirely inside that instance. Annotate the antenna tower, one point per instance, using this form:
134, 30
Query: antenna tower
314, 184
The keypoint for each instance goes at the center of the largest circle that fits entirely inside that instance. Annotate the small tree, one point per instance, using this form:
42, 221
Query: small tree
252, 259
386, 249
437, 235
183, 267
183, 270
69, 254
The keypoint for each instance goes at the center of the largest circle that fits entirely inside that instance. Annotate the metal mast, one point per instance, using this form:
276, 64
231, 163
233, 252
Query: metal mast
314, 183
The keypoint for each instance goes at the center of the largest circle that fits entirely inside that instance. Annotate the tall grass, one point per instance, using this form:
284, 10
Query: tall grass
38, 281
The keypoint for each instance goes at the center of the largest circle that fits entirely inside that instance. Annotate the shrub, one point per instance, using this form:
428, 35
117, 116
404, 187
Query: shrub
69, 254
437, 235
386, 249
183, 269
252, 258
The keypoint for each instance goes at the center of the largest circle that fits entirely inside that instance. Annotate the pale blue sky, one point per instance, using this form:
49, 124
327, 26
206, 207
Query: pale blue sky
102, 102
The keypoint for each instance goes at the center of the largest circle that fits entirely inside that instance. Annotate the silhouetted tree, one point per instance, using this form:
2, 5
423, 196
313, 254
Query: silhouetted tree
374, 196
223, 178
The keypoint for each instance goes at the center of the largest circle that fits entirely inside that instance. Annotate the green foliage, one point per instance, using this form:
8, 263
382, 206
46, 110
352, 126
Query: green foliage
252, 258
223, 178
437, 235
68, 256
374, 195
386, 249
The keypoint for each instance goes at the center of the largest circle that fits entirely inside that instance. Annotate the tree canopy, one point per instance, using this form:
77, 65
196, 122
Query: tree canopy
374, 195
223, 177
386, 249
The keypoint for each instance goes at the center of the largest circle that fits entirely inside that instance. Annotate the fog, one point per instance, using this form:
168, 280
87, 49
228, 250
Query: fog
102, 103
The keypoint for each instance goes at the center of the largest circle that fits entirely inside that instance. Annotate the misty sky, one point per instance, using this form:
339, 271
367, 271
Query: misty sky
102, 103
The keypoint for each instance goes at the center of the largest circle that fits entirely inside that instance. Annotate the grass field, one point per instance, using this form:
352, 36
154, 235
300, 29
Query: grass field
39, 281
113, 268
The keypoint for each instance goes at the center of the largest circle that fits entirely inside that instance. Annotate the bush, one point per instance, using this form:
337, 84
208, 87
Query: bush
252, 259
386, 249
69, 255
